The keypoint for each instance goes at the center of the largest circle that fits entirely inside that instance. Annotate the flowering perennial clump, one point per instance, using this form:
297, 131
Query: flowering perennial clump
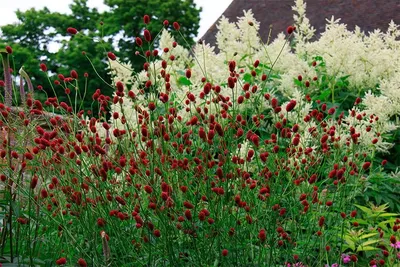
203, 158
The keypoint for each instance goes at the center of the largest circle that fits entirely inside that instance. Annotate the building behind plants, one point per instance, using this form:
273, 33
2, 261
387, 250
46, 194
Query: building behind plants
367, 14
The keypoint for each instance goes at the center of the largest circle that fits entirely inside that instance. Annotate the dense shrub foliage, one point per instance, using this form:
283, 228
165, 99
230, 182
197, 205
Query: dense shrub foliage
261, 155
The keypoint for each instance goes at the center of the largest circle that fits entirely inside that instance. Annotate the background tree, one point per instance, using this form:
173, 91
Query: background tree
37, 30
127, 20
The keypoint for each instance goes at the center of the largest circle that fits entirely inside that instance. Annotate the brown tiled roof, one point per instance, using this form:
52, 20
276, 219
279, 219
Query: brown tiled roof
367, 14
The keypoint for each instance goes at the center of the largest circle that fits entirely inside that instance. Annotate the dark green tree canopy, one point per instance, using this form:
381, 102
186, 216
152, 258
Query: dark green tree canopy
37, 30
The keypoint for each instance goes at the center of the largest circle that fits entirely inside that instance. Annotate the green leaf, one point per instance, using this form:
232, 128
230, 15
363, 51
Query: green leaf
364, 209
16, 208
384, 223
378, 199
247, 77
388, 215
324, 94
361, 221
344, 78
369, 242
243, 57
368, 235
350, 242
297, 83
184, 81
367, 248
318, 58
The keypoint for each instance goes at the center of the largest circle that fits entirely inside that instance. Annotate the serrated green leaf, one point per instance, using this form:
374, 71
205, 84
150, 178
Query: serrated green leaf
369, 242
350, 242
388, 215
384, 223
368, 235
361, 221
364, 209
367, 248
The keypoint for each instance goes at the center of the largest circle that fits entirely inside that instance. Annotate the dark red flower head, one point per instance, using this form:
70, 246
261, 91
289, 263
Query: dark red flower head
353, 258
82, 263
366, 165
146, 19
111, 56
74, 74
72, 31
225, 252
43, 67
157, 233
262, 235
139, 41
176, 26
290, 106
61, 261
331, 111
147, 35
9, 49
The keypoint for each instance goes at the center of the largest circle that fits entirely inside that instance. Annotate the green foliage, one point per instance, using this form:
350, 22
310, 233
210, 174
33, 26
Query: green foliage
369, 235
380, 188
37, 30
128, 20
